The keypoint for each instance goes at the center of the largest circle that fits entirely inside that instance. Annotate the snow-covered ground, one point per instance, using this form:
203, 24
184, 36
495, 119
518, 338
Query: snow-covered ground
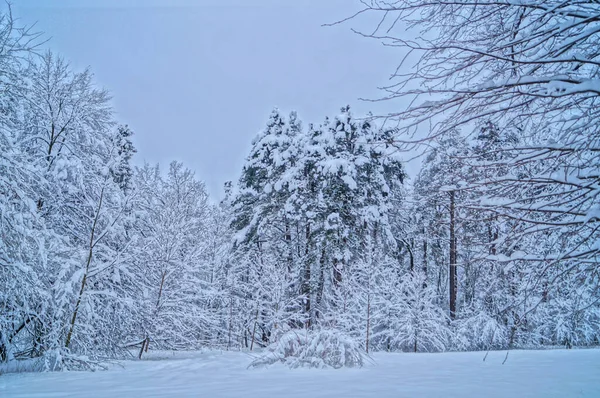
553, 373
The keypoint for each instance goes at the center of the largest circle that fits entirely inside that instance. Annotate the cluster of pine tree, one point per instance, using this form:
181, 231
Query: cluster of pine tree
329, 233
313, 222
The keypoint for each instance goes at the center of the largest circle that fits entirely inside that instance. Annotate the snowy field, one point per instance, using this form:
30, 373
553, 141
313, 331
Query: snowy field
555, 373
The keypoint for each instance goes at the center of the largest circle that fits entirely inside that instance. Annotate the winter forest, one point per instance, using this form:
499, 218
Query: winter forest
494, 244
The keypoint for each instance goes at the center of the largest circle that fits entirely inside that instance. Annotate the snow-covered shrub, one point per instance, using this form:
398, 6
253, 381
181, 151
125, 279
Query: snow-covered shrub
479, 331
408, 319
570, 316
320, 349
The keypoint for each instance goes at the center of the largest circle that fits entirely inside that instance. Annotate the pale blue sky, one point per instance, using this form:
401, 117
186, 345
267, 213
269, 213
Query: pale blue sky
197, 79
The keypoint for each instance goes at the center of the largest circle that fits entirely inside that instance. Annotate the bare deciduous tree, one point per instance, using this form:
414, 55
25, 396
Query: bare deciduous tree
529, 66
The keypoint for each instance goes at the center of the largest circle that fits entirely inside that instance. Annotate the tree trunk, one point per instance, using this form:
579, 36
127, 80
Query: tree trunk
87, 268
411, 257
337, 273
288, 241
144, 347
230, 323
424, 261
160, 289
452, 276
306, 291
254, 329
321, 284
368, 321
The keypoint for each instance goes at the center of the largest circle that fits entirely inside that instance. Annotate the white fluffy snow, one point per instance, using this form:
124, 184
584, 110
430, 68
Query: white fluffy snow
552, 373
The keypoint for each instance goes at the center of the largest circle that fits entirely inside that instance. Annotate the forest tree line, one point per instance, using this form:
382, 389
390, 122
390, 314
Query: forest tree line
492, 245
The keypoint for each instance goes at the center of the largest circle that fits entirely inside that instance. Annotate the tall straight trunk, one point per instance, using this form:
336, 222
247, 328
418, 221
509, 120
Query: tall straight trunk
368, 321
254, 328
373, 256
411, 257
337, 273
452, 276
230, 322
306, 291
495, 238
321, 284
338, 267
425, 256
298, 241
87, 269
424, 261
288, 241
338, 289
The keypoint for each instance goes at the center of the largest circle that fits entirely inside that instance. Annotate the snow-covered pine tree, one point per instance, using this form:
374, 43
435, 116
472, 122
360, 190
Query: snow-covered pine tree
330, 204
266, 232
